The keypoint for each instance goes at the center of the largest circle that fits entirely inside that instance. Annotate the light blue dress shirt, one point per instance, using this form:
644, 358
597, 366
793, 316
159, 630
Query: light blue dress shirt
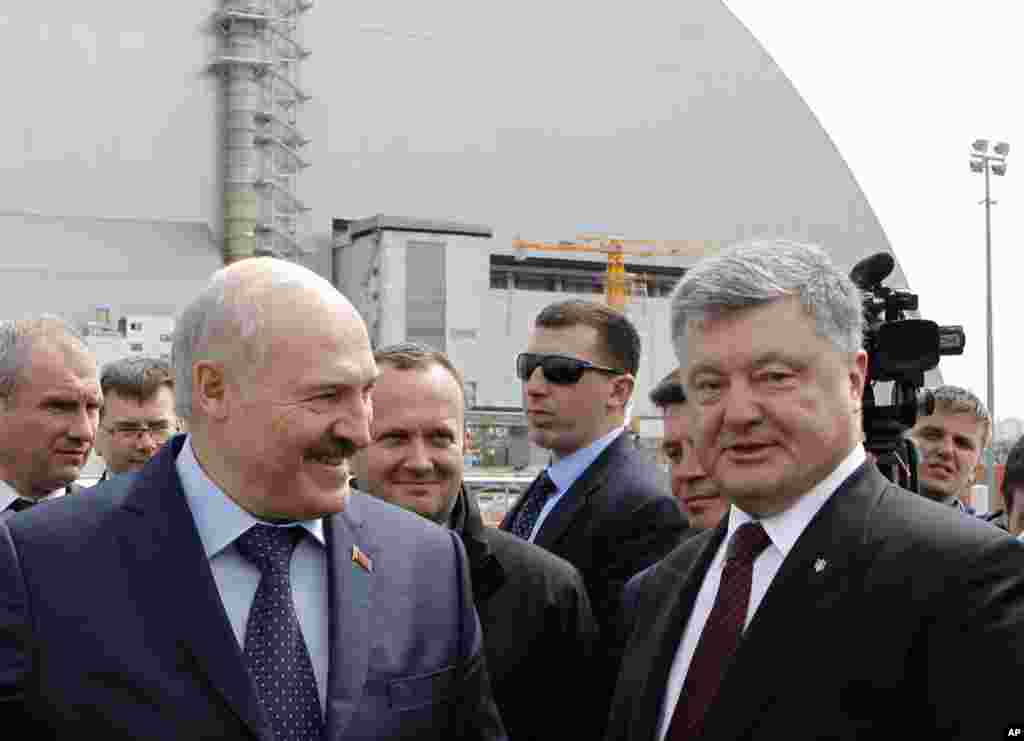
220, 521
565, 472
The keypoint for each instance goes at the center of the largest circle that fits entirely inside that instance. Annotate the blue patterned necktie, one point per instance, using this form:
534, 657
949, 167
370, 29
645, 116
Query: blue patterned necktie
536, 497
275, 652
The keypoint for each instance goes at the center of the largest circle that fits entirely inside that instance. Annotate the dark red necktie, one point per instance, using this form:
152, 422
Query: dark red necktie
721, 634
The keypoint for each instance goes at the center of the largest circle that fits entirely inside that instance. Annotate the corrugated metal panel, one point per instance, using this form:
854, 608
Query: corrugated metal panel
425, 294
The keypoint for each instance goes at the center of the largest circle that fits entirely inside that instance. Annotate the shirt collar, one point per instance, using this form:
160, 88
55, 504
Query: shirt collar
218, 517
8, 494
565, 471
786, 527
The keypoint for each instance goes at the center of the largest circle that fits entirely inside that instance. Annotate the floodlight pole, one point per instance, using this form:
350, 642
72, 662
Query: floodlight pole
990, 473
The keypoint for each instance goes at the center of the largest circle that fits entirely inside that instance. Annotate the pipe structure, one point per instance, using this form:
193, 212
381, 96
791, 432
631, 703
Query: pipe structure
258, 61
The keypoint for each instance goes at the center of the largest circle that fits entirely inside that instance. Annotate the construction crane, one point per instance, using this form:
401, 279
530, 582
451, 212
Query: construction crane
616, 248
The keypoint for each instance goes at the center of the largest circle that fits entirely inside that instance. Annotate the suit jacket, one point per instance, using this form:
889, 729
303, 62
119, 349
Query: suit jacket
72, 488
111, 625
612, 522
887, 618
539, 632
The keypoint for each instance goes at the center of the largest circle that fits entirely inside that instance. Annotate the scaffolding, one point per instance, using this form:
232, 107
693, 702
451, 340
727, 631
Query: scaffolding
258, 59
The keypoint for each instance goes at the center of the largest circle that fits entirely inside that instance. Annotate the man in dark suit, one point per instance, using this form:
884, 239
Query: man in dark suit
599, 504
49, 406
236, 587
539, 632
829, 603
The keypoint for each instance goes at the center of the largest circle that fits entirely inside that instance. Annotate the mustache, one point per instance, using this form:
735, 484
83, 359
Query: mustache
339, 448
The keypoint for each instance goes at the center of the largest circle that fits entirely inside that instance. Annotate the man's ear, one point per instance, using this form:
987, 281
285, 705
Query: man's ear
858, 375
622, 391
209, 389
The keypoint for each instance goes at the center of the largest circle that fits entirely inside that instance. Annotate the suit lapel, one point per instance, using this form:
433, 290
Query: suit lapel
171, 571
350, 597
659, 631
824, 567
560, 518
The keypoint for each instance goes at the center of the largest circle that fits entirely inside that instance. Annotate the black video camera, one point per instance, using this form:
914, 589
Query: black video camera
899, 350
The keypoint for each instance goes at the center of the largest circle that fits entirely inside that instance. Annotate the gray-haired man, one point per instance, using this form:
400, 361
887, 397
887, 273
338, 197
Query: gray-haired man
861, 607
49, 407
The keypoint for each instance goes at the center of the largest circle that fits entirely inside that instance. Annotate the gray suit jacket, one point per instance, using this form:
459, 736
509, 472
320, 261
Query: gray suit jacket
111, 625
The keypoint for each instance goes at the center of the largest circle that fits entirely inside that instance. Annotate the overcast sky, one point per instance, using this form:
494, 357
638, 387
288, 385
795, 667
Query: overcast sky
903, 89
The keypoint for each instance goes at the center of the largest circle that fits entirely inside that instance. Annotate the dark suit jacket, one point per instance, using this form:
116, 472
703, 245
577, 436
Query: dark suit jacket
111, 625
613, 522
917, 612
539, 632
71, 488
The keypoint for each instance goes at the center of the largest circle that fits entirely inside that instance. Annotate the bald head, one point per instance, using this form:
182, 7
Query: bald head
244, 307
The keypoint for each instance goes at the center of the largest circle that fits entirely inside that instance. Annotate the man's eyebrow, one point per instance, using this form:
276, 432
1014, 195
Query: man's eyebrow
778, 357
322, 386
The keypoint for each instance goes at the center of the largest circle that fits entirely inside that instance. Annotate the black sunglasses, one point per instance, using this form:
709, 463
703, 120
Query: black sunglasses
559, 369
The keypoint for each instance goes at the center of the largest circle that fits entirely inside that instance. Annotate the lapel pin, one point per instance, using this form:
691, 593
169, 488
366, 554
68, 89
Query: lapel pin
362, 559
820, 565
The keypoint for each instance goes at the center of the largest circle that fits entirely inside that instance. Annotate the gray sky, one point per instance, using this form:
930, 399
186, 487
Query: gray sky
903, 89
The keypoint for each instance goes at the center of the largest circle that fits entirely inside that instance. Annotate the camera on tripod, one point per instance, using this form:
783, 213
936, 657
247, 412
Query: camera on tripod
899, 350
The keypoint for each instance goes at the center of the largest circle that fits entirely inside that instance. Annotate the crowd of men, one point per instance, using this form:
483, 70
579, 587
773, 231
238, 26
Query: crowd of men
283, 545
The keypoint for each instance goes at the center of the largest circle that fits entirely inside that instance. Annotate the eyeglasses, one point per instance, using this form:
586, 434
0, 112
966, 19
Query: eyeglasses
559, 369
131, 430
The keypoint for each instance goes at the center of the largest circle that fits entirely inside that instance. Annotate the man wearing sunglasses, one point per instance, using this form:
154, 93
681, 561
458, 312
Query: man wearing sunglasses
138, 416
598, 504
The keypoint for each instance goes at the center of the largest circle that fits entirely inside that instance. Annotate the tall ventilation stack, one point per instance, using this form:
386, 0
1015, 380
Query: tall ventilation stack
258, 59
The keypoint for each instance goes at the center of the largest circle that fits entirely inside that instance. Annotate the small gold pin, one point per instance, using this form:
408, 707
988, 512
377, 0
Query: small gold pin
820, 565
362, 559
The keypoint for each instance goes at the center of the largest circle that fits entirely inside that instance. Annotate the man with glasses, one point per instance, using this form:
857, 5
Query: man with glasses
598, 504
49, 405
138, 412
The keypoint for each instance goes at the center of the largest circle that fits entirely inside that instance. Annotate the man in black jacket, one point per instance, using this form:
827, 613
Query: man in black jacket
539, 632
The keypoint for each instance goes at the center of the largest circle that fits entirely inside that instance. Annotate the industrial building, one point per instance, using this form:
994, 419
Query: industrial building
155, 142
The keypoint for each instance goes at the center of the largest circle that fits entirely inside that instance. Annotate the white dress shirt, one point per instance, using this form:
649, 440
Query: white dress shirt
563, 473
220, 521
783, 529
8, 495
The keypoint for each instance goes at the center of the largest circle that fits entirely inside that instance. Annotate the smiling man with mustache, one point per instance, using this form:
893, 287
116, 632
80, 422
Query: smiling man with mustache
236, 586
828, 602
950, 442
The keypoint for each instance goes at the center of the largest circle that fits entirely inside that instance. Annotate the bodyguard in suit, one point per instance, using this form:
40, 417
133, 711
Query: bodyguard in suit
539, 632
598, 505
236, 587
829, 603
49, 408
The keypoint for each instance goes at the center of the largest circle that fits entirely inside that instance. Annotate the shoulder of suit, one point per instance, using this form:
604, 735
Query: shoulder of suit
518, 556
73, 515
914, 522
388, 520
678, 561
628, 475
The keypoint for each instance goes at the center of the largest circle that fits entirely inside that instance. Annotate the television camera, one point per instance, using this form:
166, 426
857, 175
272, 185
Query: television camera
899, 350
